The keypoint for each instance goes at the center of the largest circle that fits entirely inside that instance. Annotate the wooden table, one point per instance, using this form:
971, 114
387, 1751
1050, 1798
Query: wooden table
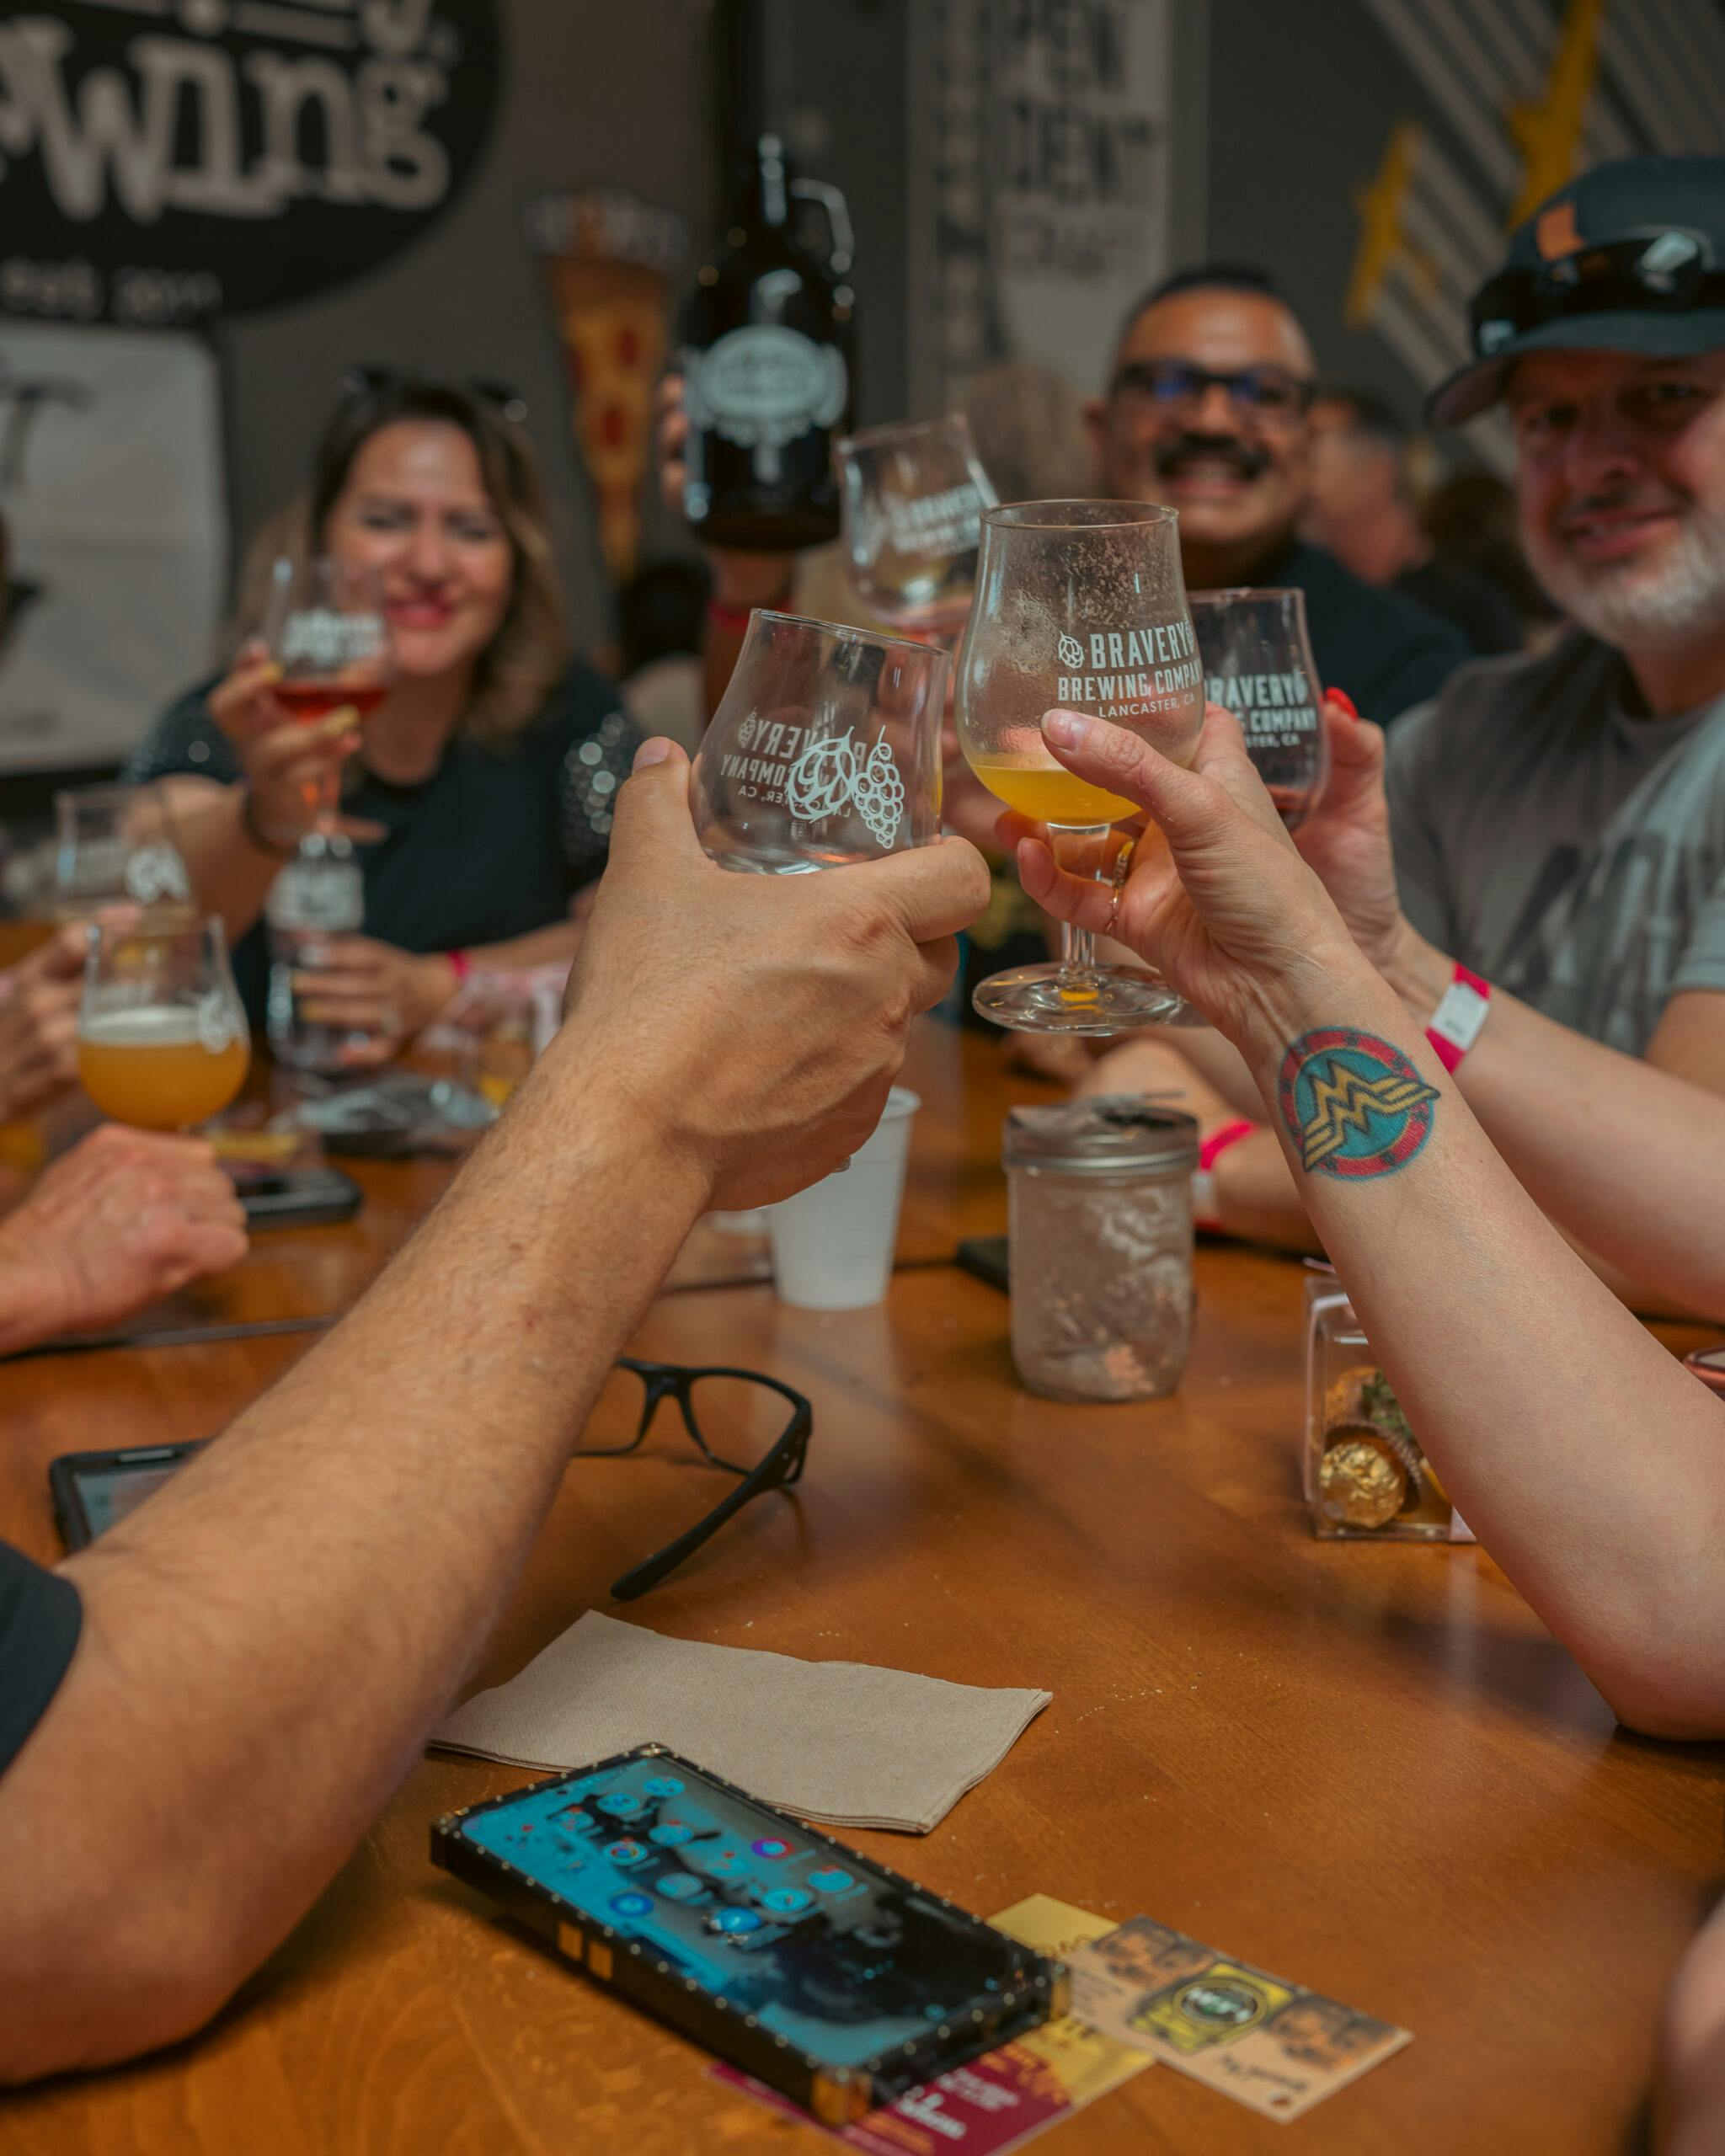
1367, 1767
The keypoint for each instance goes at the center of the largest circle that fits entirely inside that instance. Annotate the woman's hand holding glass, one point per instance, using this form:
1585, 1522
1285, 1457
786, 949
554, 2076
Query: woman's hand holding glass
381, 996
291, 767
1075, 601
1346, 839
1217, 899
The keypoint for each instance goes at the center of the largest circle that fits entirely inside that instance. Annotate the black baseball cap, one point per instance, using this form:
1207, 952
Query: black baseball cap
1628, 258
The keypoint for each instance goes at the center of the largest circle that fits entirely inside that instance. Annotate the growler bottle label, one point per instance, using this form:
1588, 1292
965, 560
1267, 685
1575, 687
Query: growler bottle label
761, 387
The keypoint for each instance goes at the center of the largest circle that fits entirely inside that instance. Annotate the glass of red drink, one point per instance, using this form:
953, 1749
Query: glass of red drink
326, 631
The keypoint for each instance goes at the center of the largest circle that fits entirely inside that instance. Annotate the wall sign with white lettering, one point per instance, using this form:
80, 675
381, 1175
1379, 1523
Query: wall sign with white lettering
165, 162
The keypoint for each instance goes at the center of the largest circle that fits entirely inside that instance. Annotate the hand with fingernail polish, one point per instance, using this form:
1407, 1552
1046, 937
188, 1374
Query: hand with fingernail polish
1217, 899
1346, 837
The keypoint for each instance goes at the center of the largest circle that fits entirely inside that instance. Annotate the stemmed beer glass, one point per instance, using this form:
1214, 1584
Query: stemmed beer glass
913, 495
825, 748
1080, 605
327, 630
115, 847
1258, 664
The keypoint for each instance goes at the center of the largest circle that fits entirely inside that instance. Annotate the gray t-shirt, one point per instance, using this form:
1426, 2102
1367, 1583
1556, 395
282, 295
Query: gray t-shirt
1573, 853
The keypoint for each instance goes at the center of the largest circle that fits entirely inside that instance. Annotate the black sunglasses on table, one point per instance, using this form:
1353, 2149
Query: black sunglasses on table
1265, 392
1643, 273
721, 1407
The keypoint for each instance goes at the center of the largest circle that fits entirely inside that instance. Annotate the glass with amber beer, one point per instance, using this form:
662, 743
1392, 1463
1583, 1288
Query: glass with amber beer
1080, 605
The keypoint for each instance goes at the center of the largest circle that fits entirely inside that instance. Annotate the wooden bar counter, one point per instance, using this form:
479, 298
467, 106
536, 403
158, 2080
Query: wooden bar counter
1367, 1767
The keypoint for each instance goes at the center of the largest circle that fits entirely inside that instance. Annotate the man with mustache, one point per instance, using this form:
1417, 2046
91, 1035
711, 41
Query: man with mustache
1558, 820
1208, 409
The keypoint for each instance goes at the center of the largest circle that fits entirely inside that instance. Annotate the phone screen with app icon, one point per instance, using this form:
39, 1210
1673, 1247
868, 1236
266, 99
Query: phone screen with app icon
838, 1956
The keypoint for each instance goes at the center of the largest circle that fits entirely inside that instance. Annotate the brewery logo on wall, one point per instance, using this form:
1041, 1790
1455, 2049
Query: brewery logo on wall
165, 162
611, 261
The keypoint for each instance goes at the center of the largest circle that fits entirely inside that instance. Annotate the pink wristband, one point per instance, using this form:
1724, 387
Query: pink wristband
460, 965
1204, 1194
1219, 1141
1456, 1021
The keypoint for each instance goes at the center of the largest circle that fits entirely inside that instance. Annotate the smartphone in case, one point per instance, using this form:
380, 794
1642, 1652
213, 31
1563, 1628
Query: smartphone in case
92, 1491
820, 1972
293, 1198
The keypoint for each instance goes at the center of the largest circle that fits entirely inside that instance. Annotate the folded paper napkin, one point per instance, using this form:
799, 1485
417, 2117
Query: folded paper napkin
837, 1741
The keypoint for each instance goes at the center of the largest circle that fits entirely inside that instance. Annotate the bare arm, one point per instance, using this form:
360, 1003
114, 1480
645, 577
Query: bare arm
313, 1592
1255, 1195
231, 870
1690, 1039
1693, 2092
1628, 1157
267, 1643
1588, 1460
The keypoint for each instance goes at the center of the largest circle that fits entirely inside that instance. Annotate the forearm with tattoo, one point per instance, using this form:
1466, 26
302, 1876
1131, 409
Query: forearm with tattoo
1354, 1105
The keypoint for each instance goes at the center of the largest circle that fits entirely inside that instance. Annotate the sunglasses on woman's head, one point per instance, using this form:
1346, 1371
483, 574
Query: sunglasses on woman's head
373, 381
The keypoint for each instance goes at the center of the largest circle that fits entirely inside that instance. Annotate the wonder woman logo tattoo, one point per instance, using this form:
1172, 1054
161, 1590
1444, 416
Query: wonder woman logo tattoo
1355, 1106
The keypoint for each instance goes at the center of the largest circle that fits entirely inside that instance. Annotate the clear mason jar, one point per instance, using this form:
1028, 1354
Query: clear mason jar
1100, 1237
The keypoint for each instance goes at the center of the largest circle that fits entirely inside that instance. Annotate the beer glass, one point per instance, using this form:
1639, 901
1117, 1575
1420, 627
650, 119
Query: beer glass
1258, 664
1080, 605
115, 847
825, 748
161, 1037
913, 495
325, 625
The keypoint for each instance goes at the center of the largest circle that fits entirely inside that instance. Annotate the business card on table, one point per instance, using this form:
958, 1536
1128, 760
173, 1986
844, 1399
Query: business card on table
1000, 2101
1265, 2042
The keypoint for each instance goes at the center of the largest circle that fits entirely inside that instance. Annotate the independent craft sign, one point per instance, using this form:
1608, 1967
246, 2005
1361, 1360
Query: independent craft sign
164, 162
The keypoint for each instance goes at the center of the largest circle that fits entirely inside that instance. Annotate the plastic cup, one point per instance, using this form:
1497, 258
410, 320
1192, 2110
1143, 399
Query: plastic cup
833, 1243
751, 1223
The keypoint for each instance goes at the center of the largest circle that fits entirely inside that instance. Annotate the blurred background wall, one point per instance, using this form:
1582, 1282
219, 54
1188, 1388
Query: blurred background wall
1016, 170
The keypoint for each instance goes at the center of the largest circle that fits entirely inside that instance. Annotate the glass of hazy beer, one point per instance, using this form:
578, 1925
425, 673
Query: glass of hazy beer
161, 1036
1080, 605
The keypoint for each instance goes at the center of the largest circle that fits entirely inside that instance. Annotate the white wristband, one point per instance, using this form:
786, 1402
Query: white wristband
1460, 1014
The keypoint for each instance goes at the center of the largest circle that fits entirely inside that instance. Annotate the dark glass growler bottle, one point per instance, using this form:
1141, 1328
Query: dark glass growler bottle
766, 382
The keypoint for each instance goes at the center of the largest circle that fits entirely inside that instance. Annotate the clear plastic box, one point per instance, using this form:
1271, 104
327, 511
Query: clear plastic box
1366, 1477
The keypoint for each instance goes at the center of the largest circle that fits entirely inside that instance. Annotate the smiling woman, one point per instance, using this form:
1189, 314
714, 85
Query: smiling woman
479, 795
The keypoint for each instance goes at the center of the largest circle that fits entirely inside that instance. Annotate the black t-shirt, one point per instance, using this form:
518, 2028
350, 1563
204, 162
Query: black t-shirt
491, 846
39, 1618
1385, 651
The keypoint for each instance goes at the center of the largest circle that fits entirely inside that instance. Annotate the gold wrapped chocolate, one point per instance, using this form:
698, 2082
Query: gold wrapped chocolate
1362, 1481
1365, 1473
1363, 1394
